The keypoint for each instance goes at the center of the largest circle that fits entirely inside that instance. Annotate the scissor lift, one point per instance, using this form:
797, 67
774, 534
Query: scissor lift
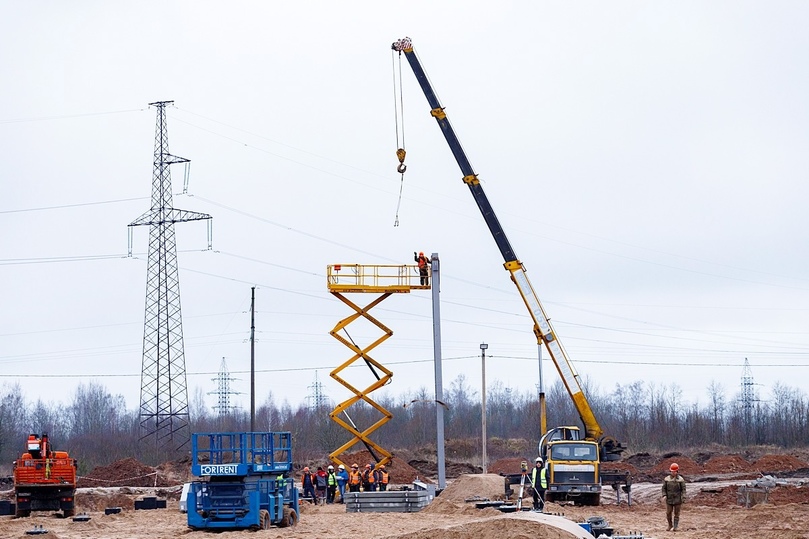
384, 280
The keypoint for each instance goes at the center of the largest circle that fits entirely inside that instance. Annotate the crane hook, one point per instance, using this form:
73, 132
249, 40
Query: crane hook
400, 153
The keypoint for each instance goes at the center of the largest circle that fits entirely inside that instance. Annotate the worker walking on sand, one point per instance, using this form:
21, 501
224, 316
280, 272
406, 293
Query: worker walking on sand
674, 492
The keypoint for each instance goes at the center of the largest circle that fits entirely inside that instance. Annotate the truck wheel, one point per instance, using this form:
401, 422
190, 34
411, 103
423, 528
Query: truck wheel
290, 518
69, 512
22, 513
264, 519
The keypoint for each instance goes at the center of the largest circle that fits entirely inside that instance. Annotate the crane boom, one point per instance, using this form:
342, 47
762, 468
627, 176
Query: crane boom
542, 324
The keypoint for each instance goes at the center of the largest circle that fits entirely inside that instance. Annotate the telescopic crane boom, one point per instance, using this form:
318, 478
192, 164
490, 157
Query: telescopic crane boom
542, 326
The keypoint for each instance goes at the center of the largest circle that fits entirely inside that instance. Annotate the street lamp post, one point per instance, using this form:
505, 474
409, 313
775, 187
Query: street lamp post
483, 347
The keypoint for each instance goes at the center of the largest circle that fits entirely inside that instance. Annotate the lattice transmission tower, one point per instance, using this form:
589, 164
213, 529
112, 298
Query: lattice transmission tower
317, 397
223, 391
164, 393
748, 395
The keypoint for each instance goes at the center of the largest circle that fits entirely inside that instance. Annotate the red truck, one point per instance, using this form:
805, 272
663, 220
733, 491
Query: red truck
44, 479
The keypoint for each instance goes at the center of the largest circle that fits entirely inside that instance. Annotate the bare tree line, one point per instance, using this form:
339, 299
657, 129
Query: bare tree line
96, 427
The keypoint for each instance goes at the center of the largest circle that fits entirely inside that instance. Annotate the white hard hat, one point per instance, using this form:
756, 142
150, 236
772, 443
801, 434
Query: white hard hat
538, 459
331, 467
342, 467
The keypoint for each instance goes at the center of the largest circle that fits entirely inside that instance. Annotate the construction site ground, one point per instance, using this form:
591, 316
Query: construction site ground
712, 509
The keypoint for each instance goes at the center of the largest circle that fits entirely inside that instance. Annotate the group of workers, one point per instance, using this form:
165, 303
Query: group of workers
329, 485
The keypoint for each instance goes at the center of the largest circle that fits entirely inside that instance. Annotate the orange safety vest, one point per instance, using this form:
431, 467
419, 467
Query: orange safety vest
383, 477
369, 476
354, 478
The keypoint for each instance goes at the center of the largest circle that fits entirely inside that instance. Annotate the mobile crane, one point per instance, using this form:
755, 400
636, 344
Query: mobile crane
573, 463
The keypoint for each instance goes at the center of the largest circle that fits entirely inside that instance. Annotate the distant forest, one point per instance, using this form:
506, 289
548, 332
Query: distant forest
97, 429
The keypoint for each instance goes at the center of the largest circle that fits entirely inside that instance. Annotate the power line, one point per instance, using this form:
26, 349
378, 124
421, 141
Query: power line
410, 362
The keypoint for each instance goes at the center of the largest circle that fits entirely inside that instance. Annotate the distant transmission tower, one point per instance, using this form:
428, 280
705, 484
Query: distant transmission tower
317, 398
223, 391
748, 394
163, 392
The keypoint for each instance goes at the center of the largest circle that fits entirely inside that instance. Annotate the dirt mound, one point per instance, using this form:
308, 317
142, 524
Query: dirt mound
467, 487
778, 463
128, 472
509, 465
100, 499
401, 472
719, 464
176, 472
492, 529
619, 466
727, 496
642, 461
687, 467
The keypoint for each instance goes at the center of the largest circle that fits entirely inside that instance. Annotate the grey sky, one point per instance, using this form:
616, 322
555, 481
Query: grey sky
647, 160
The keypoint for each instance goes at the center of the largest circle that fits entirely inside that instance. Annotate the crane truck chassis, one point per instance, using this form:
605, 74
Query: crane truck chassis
246, 481
44, 479
570, 474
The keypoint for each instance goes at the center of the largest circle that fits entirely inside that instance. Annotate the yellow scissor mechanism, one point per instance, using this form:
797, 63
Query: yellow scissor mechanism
386, 281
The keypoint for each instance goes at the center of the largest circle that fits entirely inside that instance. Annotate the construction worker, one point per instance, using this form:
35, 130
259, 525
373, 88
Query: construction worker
423, 263
308, 483
342, 481
384, 477
331, 484
539, 480
354, 479
674, 493
321, 485
369, 479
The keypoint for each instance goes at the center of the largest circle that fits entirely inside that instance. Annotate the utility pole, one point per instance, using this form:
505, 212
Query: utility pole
483, 347
164, 394
435, 274
253, 359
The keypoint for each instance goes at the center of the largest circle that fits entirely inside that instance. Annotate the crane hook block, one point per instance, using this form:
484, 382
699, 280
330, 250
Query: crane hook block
400, 153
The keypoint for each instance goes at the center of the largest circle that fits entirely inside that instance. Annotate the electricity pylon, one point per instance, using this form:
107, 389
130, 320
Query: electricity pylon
164, 393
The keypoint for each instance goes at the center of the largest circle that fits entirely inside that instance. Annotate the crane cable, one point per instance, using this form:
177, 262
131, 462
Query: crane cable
398, 107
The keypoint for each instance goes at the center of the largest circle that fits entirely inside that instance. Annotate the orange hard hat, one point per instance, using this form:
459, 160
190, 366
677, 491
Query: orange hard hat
306, 468
381, 466
354, 466
674, 467
367, 465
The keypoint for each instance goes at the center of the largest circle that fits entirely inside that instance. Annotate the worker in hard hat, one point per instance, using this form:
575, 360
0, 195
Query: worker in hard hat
674, 493
308, 484
331, 484
369, 479
342, 481
424, 265
539, 481
354, 479
384, 477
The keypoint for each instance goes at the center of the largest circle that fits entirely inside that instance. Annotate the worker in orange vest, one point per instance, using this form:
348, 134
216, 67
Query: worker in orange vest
354, 479
423, 263
369, 479
384, 477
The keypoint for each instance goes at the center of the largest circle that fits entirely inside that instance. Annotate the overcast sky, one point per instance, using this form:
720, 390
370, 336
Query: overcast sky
648, 161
